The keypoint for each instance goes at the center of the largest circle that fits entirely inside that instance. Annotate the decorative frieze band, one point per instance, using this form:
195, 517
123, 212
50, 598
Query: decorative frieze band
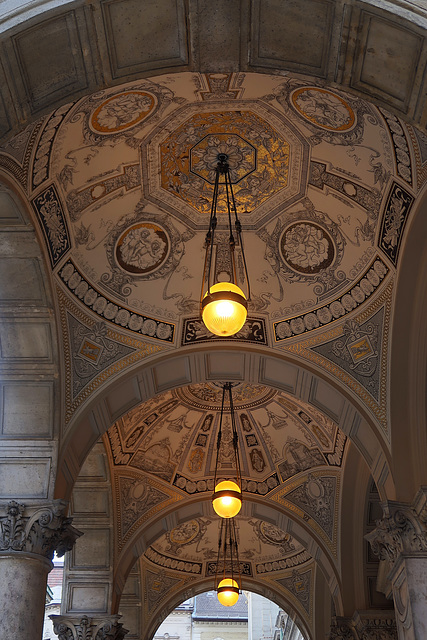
43, 530
365, 625
85, 628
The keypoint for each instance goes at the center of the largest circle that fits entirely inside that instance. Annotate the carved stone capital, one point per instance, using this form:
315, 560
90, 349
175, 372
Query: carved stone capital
400, 531
375, 625
341, 629
41, 530
85, 628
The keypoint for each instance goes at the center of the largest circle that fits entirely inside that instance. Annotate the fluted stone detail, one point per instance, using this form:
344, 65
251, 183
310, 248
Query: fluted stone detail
88, 628
42, 530
400, 531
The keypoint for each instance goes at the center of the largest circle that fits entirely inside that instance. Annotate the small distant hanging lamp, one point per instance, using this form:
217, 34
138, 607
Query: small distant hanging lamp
224, 306
228, 578
227, 496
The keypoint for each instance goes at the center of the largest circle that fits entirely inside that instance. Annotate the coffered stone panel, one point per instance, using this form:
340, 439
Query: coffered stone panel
20, 281
155, 35
388, 59
51, 61
26, 409
25, 342
295, 33
24, 476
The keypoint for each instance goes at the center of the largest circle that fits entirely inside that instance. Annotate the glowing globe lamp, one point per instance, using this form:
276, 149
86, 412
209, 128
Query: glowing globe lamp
224, 309
227, 499
228, 592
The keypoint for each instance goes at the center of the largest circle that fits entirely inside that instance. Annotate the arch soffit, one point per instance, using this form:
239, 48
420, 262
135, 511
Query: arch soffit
408, 373
271, 593
240, 364
270, 513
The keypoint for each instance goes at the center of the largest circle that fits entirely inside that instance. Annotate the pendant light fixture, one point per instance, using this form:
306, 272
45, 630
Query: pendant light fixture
228, 577
224, 306
227, 496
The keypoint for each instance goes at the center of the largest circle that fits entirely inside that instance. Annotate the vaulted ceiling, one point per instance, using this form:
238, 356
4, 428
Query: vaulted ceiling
320, 107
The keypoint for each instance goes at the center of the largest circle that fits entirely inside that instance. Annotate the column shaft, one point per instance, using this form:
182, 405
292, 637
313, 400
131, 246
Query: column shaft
23, 580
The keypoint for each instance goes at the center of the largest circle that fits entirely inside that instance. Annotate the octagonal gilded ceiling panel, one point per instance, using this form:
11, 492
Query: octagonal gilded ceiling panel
267, 155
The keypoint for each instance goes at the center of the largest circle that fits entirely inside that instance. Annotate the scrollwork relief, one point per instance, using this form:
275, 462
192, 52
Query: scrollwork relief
45, 532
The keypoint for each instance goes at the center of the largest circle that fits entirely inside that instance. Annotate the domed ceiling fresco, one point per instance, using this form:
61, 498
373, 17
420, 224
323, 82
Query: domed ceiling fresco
120, 183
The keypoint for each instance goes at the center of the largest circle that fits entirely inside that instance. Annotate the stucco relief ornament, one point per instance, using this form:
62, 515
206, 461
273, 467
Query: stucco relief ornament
43, 533
341, 630
377, 628
85, 628
400, 531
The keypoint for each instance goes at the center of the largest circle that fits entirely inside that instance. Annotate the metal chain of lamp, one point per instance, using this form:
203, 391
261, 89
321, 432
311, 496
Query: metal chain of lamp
224, 306
228, 578
227, 502
227, 496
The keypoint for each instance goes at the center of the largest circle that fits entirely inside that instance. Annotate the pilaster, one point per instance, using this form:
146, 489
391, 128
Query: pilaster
400, 540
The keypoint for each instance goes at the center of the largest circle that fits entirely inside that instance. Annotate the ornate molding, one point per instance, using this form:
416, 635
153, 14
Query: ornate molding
400, 531
41, 530
85, 628
341, 629
375, 626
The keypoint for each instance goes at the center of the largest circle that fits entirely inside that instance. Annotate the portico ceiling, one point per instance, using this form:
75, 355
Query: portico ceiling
115, 167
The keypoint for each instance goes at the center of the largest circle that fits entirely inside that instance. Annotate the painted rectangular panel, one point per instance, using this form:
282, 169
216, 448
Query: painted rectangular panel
155, 35
87, 598
93, 468
24, 478
89, 501
10, 214
25, 341
26, 410
51, 59
224, 366
123, 397
4, 117
172, 374
327, 399
20, 282
388, 59
91, 550
279, 374
296, 33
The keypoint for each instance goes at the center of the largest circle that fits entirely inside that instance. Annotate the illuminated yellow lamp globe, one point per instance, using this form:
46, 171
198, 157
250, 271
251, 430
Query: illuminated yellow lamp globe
227, 499
224, 309
228, 592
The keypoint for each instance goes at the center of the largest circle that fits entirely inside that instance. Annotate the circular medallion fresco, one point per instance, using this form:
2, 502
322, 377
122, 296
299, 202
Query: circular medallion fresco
185, 533
142, 248
120, 112
323, 108
273, 534
306, 247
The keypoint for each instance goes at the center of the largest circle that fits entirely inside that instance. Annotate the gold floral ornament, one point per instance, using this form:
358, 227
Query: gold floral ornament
258, 158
